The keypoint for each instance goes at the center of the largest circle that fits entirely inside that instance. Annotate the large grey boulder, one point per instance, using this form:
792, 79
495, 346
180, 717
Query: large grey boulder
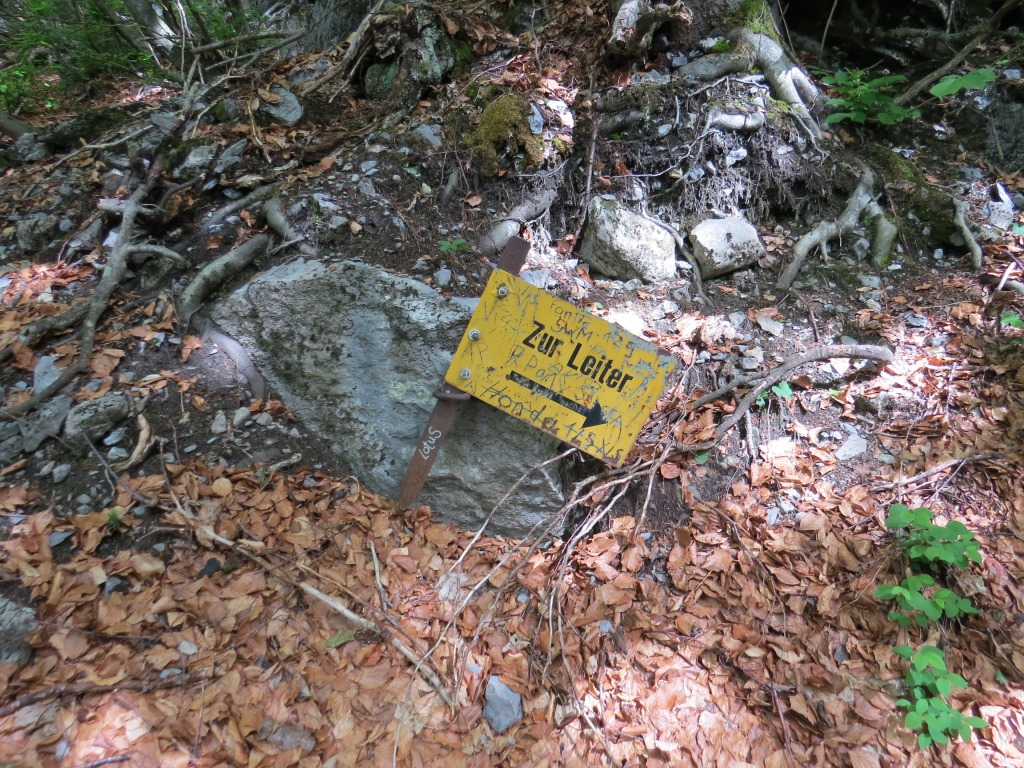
621, 244
357, 353
725, 245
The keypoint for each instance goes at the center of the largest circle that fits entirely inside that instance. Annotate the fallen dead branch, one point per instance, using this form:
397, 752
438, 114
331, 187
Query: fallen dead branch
207, 534
960, 56
941, 468
355, 46
85, 689
862, 201
769, 378
107, 145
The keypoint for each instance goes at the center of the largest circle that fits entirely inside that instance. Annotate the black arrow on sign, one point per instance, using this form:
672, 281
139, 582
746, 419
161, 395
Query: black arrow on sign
591, 416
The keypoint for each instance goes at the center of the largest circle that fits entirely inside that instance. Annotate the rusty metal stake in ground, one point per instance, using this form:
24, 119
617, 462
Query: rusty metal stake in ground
448, 399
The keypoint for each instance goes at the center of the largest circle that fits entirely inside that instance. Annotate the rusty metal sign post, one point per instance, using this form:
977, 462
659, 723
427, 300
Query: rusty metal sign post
448, 399
550, 364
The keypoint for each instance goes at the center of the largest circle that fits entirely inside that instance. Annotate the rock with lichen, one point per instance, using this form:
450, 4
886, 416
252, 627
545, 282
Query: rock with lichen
505, 127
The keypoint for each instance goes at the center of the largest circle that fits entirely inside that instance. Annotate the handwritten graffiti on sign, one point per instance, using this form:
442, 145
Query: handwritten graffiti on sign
569, 373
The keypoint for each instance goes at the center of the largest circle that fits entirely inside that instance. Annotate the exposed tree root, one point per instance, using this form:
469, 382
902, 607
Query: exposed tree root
159, 250
636, 21
215, 273
740, 121
280, 224
753, 50
960, 220
684, 251
256, 196
37, 329
862, 201
496, 239
113, 274
12, 126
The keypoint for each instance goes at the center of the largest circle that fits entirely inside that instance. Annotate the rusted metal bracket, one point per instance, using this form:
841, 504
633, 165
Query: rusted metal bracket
448, 399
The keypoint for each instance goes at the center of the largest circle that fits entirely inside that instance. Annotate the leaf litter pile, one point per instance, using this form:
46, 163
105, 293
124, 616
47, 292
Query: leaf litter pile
287, 619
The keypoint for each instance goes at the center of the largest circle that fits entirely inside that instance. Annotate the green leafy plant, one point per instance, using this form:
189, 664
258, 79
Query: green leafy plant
782, 389
927, 544
866, 101
114, 518
919, 607
1011, 319
453, 246
971, 81
929, 683
15, 86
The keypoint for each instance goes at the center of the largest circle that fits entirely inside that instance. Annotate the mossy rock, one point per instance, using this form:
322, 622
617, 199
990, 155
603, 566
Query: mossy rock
505, 125
379, 79
922, 209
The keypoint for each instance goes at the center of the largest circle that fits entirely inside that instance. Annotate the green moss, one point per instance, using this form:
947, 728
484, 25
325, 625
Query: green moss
755, 15
722, 46
463, 58
505, 124
379, 79
917, 203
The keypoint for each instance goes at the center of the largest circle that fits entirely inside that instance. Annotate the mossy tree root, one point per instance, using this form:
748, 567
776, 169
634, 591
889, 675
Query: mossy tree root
862, 202
755, 50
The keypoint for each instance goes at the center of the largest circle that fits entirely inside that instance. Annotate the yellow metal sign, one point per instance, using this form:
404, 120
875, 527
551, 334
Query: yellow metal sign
569, 373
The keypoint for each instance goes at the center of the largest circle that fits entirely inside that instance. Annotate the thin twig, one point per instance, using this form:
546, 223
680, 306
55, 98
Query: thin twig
786, 735
384, 604
940, 468
774, 376
104, 761
428, 673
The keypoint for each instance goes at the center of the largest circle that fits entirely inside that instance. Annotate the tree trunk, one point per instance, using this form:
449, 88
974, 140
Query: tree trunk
156, 31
